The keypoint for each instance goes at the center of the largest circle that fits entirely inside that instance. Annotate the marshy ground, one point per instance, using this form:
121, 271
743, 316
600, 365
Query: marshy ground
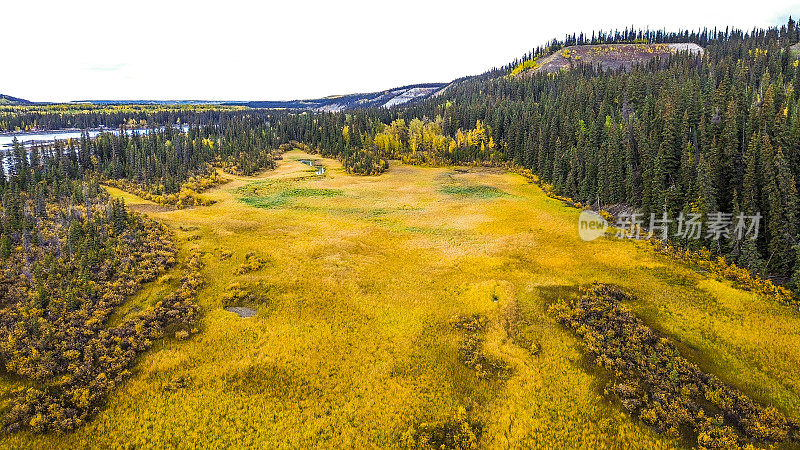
362, 286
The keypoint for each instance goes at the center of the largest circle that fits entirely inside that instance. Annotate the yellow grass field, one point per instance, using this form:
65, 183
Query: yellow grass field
353, 344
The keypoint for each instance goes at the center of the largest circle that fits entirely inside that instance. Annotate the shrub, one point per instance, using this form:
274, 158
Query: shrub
251, 263
653, 380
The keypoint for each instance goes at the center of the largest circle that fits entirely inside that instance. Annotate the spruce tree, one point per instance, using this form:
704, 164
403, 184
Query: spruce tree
782, 213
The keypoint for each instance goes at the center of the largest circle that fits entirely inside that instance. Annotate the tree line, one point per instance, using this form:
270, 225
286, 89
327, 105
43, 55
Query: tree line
681, 134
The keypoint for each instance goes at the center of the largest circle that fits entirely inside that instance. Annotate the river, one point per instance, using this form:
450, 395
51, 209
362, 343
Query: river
31, 138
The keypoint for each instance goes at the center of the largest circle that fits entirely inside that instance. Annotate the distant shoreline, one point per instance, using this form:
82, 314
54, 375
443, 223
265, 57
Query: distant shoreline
62, 130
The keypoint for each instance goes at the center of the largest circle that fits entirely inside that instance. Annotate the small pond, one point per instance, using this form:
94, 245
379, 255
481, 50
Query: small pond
312, 163
242, 311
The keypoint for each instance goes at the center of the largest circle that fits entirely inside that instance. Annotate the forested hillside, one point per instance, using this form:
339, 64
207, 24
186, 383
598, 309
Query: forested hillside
685, 133
9, 100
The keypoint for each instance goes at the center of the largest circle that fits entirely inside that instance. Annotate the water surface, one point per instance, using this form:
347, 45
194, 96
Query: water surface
31, 138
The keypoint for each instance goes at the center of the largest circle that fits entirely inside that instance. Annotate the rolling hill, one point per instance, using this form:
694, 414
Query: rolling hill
387, 99
9, 100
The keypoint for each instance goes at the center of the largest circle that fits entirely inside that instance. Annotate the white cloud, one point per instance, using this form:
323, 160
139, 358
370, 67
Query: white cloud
237, 49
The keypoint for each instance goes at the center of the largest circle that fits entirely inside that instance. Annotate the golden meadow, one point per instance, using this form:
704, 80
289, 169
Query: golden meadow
357, 286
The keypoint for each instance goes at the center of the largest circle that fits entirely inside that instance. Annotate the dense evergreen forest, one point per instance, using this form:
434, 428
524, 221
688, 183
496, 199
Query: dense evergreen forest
85, 115
688, 133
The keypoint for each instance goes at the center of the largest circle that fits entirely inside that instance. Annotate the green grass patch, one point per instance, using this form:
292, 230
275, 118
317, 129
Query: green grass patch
264, 202
266, 194
480, 191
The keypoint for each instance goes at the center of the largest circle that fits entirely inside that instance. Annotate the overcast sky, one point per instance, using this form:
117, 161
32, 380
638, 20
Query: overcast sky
248, 50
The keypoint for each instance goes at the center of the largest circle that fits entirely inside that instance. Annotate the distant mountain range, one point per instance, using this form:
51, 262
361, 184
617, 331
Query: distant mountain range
386, 99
